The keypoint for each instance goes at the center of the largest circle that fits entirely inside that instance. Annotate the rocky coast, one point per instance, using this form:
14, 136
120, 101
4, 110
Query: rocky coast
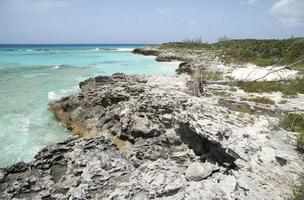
148, 137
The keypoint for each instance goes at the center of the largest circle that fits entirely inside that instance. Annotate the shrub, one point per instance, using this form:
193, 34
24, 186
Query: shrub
263, 62
288, 88
260, 52
299, 192
295, 123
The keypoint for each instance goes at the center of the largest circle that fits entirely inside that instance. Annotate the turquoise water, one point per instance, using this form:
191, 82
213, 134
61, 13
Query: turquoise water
30, 76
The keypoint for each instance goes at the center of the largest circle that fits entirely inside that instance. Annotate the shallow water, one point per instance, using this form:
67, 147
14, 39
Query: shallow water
32, 75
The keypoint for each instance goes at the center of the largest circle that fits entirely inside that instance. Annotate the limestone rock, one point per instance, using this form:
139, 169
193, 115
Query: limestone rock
139, 135
198, 171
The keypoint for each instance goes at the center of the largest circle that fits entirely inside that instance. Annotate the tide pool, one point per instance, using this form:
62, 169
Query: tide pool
31, 75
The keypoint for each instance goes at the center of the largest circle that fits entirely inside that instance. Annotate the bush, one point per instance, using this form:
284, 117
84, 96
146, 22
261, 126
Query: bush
299, 192
263, 62
295, 123
260, 52
288, 88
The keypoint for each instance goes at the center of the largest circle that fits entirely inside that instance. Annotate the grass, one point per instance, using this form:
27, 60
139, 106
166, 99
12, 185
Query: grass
299, 192
288, 88
212, 76
259, 52
262, 100
295, 123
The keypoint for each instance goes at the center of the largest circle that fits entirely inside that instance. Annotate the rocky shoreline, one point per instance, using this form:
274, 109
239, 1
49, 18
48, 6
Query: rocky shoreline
191, 59
145, 137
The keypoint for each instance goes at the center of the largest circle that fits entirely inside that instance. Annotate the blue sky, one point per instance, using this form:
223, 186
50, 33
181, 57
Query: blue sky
142, 21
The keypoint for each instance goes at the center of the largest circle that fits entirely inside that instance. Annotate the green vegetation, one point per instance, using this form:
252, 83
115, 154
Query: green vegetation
260, 52
263, 62
299, 192
188, 44
295, 122
264, 52
212, 76
233, 89
263, 100
288, 88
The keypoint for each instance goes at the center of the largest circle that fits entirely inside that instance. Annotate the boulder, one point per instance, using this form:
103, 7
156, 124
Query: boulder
198, 171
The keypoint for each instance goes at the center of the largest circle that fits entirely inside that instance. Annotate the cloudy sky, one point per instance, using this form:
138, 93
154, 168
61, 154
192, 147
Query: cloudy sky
143, 21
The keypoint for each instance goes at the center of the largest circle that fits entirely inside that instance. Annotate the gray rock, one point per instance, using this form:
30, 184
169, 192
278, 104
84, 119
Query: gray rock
142, 134
198, 171
229, 184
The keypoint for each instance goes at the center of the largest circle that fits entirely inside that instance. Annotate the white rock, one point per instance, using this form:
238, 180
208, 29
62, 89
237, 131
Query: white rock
198, 171
228, 185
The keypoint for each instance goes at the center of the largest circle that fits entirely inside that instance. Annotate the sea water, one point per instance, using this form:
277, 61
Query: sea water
32, 75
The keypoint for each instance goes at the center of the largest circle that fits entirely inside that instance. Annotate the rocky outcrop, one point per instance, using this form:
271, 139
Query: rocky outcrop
147, 51
145, 138
191, 59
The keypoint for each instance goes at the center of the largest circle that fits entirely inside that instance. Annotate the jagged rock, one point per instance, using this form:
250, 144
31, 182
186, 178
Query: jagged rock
139, 136
2, 175
198, 171
191, 60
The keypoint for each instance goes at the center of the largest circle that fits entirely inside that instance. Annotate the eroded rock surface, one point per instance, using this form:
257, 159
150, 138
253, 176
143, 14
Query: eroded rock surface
147, 139
191, 59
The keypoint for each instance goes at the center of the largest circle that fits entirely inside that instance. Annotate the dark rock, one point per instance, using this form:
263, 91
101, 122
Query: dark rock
146, 51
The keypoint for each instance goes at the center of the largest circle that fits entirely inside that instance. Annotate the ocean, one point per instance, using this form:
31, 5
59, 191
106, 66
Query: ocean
32, 75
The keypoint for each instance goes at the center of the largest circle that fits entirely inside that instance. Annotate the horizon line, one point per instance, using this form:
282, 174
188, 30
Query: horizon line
79, 43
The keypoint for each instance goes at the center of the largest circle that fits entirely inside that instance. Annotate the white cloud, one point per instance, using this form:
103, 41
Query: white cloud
289, 12
249, 2
162, 11
35, 5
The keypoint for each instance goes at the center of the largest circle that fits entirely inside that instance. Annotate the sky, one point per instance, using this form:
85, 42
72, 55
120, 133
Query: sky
146, 22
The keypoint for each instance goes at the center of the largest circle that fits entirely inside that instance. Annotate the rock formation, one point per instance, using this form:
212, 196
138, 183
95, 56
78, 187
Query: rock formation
142, 138
191, 59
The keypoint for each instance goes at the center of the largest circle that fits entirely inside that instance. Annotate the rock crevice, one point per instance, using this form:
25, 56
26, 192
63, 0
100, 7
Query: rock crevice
141, 139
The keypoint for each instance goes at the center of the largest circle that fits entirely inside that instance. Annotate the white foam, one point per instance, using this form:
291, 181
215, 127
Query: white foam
124, 49
53, 96
113, 49
56, 67
252, 72
25, 123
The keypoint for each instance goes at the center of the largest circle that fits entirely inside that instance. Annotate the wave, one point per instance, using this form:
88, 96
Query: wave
104, 49
57, 50
26, 50
57, 66
53, 96
113, 49
125, 49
